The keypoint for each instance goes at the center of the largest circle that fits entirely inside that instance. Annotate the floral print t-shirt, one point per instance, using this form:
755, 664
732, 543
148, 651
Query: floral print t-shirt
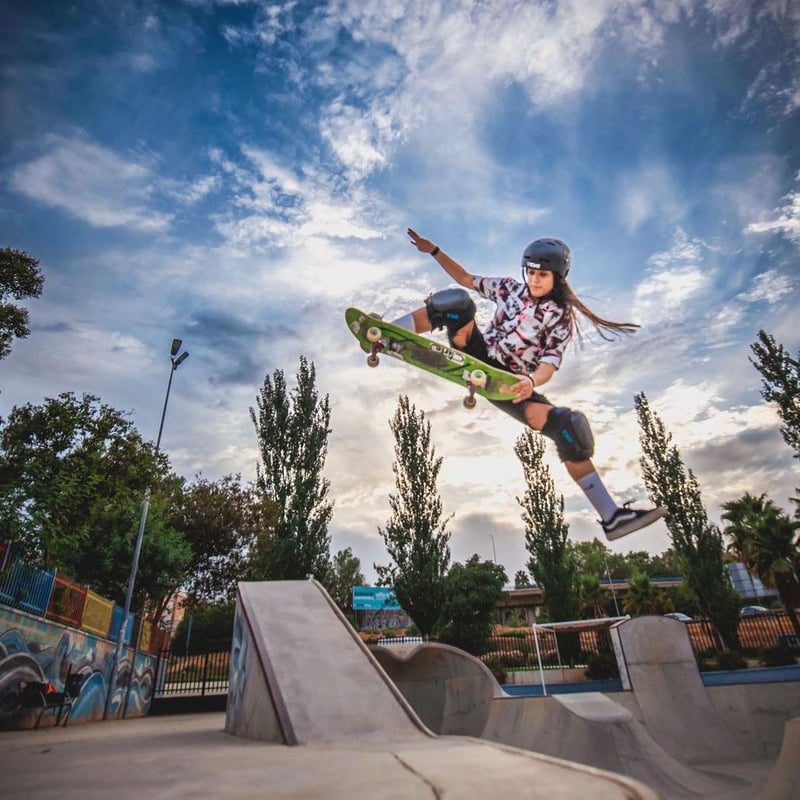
524, 332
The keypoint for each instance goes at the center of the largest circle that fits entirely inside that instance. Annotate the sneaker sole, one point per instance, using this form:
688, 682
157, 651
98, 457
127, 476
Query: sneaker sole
636, 524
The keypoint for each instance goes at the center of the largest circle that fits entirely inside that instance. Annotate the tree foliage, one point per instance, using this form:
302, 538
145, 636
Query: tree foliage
206, 628
19, 278
645, 598
780, 385
697, 542
473, 591
344, 574
292, 430
222, 522
764, 539
552, 561
73, 473
415, 536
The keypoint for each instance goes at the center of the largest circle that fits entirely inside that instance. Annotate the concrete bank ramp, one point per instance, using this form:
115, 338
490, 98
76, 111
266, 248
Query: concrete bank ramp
784, 780
592, 729
455, 693
300, 674
673, 702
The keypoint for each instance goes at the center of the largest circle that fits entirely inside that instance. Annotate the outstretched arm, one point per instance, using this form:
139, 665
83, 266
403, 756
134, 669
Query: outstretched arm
449, 265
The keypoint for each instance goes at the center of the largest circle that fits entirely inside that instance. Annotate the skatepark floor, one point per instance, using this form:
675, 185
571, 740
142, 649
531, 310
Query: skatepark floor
190, 756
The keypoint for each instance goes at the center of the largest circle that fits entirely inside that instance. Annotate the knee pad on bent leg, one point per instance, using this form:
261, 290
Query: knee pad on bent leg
450, 308
571, 432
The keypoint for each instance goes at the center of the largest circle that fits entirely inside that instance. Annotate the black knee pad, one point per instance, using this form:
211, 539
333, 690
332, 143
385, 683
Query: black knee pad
571, 432
450, 308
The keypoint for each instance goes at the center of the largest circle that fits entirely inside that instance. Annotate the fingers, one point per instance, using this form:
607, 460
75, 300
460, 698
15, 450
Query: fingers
522, 390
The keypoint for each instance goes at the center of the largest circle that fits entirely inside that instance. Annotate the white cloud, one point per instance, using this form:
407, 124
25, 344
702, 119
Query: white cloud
785, 220
675, 278
92, 183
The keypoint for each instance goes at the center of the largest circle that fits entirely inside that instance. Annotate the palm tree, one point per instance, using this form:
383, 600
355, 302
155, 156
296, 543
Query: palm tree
644, 598
593, 597
764, 538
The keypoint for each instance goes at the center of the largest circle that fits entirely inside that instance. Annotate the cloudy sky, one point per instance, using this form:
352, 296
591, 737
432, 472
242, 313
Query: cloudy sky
236, 173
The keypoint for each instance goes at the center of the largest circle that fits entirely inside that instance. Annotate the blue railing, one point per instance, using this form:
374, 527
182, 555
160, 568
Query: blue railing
27, 587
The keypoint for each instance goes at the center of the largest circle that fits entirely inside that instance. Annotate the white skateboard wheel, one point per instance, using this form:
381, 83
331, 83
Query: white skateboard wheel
477, 377
373, 334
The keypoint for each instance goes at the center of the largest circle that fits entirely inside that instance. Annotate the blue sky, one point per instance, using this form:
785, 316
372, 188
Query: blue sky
237, 173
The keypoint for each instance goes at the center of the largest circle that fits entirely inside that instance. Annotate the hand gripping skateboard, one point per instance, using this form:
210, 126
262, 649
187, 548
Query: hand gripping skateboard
377, 337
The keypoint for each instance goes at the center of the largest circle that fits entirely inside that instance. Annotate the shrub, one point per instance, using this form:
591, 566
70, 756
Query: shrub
602, 666
777, 657
730, 659
498, 668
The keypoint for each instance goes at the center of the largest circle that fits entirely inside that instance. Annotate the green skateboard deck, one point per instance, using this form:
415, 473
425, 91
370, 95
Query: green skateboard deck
377, 337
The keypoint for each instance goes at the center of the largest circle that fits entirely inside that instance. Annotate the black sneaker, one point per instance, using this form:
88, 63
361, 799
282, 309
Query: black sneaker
627, 520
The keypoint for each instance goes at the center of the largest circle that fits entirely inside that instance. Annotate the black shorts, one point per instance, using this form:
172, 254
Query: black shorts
476, 346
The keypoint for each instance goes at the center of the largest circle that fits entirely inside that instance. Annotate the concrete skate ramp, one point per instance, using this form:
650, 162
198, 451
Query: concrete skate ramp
454, 692
672, 700
451, 691
592, 729
300, 674
784, 780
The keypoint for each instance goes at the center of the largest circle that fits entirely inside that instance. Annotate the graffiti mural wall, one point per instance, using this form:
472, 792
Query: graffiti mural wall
32, 649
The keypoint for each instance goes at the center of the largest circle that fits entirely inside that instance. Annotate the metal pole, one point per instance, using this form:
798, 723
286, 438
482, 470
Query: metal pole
137, 550
611, 584
494, 552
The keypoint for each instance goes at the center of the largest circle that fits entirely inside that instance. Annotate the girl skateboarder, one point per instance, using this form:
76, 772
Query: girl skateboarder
533, 321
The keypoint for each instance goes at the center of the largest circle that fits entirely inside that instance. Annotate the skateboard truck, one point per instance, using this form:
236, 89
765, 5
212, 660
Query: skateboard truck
373, 336
473, 380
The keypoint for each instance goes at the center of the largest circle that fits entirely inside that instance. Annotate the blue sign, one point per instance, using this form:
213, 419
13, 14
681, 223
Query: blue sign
374, 598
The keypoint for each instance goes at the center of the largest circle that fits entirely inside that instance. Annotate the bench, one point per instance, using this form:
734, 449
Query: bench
44, 696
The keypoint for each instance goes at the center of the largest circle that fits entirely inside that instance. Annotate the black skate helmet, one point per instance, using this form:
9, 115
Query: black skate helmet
548, 254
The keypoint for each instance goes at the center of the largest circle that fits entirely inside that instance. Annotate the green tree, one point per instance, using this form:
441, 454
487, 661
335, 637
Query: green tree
292, 430
521, 579
19, 278
473, 591
552, 562
593, 598
345, 573
764, 539
415, 536
697, 543
780, 385
222, 522
73, 473
206, 628
644, 598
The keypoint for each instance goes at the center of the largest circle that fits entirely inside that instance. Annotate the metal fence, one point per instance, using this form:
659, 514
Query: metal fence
191, 675
46, 593
204, 674
758, 632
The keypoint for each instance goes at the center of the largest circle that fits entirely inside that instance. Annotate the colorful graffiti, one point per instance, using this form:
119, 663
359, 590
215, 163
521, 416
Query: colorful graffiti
32, 649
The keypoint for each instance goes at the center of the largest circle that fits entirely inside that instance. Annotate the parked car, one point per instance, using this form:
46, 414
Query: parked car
753, 611
679, 616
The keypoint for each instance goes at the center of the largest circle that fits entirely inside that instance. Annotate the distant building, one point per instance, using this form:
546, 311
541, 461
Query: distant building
745, 585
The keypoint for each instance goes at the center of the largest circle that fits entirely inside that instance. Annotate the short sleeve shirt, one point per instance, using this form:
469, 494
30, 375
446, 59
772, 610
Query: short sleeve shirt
524, 332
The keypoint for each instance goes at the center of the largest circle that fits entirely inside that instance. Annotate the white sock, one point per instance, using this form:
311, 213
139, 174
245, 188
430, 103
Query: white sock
597, 494
406, 322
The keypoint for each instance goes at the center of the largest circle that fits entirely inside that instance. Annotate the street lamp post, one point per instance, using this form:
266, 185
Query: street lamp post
494, 551
175, 361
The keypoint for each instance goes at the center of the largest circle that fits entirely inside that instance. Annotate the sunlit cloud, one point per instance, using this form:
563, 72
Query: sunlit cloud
92, 183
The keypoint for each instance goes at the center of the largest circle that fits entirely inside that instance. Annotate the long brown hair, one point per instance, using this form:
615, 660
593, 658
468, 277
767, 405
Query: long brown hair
564, 295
